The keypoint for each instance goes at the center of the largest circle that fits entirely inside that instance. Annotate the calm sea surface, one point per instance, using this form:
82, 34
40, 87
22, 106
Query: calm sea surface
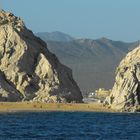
69, 126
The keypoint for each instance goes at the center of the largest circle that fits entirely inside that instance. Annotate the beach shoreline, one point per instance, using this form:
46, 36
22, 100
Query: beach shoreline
44, 107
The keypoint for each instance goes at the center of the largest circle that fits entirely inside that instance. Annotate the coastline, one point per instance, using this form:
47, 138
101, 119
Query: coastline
44, 107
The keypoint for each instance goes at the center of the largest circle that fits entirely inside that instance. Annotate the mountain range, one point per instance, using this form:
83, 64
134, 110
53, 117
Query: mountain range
93, 61
55, 36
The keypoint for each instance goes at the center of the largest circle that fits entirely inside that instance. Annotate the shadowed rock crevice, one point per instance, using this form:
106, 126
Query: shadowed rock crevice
8, 91
138, 93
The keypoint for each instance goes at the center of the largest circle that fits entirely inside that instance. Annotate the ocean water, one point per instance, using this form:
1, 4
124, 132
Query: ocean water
69, 126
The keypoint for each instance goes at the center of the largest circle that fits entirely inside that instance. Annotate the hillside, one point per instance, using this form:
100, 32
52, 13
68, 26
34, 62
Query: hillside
93, 61
55, 36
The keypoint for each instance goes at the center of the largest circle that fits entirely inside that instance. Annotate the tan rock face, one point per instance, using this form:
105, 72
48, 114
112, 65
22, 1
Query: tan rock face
28, 71
126, 91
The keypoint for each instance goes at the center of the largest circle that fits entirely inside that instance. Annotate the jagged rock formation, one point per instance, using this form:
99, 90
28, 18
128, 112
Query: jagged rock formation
126, 91
28, 71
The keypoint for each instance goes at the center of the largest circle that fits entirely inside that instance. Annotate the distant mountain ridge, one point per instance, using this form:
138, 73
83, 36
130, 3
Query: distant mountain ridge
93, 61
55, 36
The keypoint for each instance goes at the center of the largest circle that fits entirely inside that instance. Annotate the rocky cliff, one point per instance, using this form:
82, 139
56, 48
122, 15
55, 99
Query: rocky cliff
126, 91
28, 71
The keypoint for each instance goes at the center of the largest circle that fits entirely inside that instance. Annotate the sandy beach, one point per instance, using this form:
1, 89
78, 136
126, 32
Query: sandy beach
35, 106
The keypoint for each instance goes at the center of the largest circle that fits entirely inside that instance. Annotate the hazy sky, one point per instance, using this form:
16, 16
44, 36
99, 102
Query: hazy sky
114, 19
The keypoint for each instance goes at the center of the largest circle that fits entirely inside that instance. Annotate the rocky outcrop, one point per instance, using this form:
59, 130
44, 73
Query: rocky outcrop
28, 71
125, 94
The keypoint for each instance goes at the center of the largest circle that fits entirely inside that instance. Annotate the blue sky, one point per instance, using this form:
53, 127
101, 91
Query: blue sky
114, 19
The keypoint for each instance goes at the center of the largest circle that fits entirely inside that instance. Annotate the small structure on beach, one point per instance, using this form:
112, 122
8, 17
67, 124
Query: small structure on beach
98, 96
101, 92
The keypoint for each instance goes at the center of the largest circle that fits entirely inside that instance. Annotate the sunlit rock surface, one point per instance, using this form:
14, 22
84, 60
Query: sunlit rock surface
125, 94
28, 71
